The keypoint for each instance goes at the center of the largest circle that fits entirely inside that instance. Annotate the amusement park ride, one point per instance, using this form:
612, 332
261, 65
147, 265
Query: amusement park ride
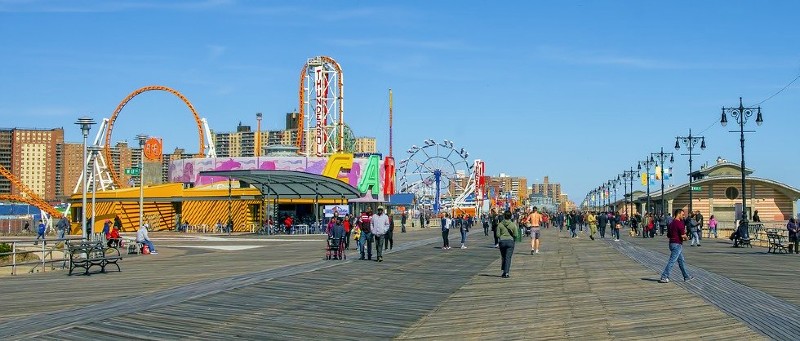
439, 175
428, 172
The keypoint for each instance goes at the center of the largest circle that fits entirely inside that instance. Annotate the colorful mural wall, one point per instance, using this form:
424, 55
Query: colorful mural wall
368, 175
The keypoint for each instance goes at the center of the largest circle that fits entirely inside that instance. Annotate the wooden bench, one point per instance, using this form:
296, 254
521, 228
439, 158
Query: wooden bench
776, 243
88, 254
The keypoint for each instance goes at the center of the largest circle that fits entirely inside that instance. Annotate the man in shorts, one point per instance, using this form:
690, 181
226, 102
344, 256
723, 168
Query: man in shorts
535, 221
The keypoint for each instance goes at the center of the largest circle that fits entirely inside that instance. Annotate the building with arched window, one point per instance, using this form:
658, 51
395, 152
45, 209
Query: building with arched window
716, 190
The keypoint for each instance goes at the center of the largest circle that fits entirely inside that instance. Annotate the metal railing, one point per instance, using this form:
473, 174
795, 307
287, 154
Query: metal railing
43, 248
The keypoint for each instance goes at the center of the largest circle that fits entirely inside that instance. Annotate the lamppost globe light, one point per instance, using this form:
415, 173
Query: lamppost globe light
672, 159
86, 125
759, 119
724, 120
703, 144
678, 146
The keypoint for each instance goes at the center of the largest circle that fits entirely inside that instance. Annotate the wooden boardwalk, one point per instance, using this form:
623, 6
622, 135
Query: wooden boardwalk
281, 289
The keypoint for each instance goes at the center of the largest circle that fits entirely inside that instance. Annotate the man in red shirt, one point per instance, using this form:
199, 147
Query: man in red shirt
676, 232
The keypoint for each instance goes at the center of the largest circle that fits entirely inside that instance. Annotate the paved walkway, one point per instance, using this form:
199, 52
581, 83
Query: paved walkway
573, 289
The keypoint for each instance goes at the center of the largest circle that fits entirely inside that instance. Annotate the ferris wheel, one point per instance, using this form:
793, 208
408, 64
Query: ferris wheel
437, 173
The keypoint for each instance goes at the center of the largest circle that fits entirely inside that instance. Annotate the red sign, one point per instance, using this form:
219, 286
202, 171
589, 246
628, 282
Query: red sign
388, 176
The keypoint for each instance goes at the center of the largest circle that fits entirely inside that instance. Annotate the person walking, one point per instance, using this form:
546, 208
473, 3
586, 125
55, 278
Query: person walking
421, 220
699, 217
62, 226
694, 229
485, 223
379, 226
366, 239
602, 221
535, 222
794, 233
712, 226
40, 232
506, 232
464, 228
591, 219
572, 221
616, 225
494, 221
676, 232
389, 234
403, 219
446, 222
347, 225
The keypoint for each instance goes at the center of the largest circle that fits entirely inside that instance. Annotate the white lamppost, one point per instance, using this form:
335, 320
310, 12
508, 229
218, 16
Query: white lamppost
86, 124
94, 150
142, 138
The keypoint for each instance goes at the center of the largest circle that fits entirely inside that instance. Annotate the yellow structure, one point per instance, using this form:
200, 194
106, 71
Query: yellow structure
167, 205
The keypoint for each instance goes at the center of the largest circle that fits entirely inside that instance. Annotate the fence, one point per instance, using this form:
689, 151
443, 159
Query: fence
52, 248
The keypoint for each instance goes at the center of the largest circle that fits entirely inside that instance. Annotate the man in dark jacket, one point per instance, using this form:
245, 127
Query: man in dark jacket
602, 221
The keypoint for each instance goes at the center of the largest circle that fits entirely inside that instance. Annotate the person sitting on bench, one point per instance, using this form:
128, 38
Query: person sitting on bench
740, 234
114, 240
142, 237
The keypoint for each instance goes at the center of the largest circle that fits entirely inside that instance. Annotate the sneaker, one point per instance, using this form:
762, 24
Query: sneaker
616, 240
592, 237
463, 246
153, 253
663, 280
686, 279
537, 251
380, 259
532, 251
698, 245
496, 245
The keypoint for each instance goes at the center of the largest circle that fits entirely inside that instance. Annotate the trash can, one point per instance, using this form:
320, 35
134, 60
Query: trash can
521, 232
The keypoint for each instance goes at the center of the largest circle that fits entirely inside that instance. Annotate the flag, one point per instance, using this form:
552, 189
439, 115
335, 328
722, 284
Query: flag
644, 179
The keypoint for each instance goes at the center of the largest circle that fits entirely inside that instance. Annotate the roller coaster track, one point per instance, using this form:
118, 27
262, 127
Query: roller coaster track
32, 198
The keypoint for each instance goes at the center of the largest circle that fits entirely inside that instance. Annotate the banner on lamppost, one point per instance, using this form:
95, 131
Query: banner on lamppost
652, 178
644, 179
659, 173
667, 173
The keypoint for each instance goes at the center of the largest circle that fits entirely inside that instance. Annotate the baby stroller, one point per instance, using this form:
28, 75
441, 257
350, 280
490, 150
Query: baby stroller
335, 249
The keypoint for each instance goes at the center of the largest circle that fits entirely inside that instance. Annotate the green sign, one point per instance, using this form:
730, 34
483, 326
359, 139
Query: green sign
132, 171
697, 188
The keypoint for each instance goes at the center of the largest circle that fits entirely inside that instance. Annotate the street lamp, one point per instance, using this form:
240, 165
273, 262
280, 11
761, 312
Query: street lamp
661, 158
648, 162
94, 150
689, 142
613, 183
629, 175
741, 114
86, 125
142, 138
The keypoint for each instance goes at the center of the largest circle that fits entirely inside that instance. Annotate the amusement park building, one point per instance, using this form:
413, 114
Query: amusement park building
203, 200
716, 190
34, 157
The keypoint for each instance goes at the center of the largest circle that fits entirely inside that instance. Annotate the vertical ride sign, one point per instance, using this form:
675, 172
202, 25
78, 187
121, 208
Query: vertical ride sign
320, 108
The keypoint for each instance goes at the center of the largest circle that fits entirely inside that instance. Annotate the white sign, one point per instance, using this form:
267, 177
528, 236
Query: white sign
320, 108
343, 210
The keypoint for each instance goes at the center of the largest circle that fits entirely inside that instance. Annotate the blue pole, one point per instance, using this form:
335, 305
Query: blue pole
438, 177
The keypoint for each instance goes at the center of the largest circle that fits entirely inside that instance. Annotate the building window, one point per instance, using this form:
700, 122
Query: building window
732, 193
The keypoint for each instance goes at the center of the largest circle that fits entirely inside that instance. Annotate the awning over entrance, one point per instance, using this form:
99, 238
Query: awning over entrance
291, 184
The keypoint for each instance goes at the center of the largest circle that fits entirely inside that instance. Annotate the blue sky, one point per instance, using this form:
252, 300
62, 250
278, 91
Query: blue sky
577, 90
